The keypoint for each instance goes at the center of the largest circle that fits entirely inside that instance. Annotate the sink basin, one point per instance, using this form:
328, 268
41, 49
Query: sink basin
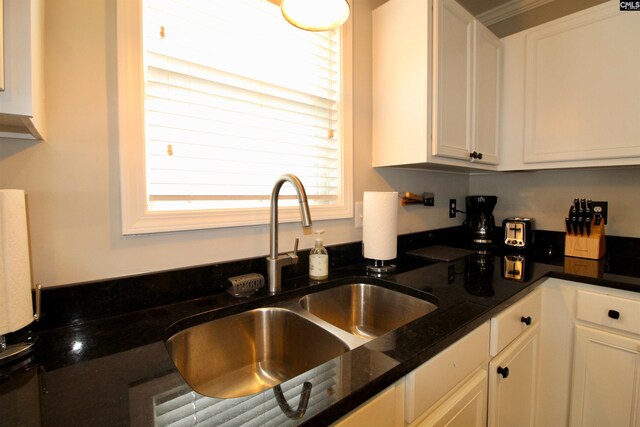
365, 310
250, 352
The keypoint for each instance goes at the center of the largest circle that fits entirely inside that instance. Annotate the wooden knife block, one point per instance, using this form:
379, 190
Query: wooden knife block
584, 267
591, 247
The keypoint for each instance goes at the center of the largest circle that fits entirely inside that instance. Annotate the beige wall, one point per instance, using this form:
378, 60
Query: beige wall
547, 195
72, 179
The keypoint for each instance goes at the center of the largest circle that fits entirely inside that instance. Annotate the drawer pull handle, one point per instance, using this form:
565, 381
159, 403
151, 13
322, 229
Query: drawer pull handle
526, 320
614, 314
503, 371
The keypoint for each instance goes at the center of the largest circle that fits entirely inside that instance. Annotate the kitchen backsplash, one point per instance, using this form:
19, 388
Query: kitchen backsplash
546, 195
77, 303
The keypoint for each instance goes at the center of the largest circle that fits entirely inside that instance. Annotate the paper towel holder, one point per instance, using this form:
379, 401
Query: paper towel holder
24, 346
379, 267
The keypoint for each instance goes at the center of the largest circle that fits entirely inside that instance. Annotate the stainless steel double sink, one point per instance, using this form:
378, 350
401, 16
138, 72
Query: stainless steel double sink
255, 350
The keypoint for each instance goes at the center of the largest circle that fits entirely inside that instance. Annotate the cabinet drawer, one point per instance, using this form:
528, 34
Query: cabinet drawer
506, 326
608, 310
435, 378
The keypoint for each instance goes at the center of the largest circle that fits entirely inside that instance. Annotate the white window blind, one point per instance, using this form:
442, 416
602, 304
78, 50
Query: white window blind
234, 98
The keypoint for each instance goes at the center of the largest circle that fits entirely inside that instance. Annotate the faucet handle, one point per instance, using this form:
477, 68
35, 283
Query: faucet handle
292, 257
295, 247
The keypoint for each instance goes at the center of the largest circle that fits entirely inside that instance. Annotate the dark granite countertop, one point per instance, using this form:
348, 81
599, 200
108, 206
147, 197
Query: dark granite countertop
115, 370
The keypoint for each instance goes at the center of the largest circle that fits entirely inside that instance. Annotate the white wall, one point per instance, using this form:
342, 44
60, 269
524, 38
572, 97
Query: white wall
547, 195
72, 179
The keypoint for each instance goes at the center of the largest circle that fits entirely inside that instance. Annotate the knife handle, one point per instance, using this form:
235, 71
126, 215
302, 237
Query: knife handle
568, 224
581, 225
597, 218
587, 225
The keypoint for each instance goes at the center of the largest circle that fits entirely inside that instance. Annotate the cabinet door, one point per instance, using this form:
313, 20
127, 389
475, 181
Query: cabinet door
466, 407
453, 77
384, 410
21, 100
401, 74
512, 382
430, 383
487, 95
582, 98
606, 379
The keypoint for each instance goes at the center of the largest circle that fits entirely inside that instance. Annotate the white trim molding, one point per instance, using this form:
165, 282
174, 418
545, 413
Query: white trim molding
508, 10
136, 217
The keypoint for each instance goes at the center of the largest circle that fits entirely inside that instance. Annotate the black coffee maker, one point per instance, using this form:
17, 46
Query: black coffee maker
480, 220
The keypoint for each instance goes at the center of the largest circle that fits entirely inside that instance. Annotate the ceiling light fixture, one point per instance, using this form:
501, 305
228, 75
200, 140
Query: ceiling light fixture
315, 15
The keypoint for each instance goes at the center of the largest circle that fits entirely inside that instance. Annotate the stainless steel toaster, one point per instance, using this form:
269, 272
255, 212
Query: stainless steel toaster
518, 232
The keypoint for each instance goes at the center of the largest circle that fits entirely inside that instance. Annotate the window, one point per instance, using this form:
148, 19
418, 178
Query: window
216, 100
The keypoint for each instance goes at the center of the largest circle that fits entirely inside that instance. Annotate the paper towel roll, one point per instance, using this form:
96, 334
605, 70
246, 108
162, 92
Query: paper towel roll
16, 310
380, 225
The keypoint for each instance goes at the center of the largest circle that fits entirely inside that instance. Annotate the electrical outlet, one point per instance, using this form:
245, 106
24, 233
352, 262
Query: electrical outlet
601, 208
452, 208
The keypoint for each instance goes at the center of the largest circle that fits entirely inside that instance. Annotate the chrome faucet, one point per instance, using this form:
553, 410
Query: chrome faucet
275, 261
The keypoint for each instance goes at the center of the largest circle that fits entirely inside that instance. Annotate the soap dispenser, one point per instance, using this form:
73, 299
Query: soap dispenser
318, 259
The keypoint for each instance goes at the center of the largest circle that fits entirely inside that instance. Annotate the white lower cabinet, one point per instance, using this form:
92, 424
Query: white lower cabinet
513, 371
606, 379
590, 356
445, 388
384, 410
465, 407
606, 363
578, 367
556, 345
512, 382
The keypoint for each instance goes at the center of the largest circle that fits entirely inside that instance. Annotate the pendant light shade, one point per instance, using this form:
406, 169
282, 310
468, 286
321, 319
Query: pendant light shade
315, 15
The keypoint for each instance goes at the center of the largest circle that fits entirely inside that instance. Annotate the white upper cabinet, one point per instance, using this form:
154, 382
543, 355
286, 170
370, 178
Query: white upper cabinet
571, 97
21, 100
435, 86
402, 61
453, 81
487, 94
